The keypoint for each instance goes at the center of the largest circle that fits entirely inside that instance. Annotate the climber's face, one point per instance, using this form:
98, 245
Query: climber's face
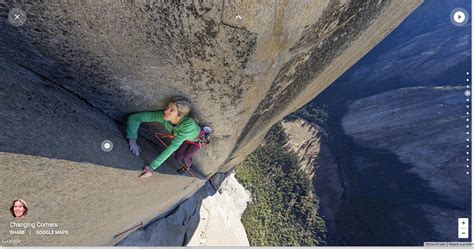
171, 113
18, 209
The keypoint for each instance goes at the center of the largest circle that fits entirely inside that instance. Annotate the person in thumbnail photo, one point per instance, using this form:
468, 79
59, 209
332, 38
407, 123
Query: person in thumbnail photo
19, 209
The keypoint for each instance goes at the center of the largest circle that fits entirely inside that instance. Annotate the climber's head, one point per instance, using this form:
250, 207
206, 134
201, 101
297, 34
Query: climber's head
177, 109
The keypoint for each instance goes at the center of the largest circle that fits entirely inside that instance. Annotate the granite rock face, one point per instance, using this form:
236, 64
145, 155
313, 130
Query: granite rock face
243, 74
426, 128
211, 217
221, 213
76, 69
425, 50
310, 142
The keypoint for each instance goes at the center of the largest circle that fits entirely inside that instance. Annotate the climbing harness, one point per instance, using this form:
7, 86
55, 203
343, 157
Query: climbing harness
203, 140
157, 136
203, 137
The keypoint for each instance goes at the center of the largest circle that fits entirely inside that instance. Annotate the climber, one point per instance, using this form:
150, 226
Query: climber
177, 121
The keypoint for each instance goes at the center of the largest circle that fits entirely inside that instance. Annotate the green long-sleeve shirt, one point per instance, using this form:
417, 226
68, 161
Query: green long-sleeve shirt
185, 129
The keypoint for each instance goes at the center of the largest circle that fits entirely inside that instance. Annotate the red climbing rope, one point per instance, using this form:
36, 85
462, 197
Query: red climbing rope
158, 135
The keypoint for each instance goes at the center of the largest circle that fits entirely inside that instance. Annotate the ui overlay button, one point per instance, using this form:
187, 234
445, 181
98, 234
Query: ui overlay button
17, 17
459, 17
463, 228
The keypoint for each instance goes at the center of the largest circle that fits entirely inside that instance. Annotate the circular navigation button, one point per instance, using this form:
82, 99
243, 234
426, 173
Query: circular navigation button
107, 145
459, 17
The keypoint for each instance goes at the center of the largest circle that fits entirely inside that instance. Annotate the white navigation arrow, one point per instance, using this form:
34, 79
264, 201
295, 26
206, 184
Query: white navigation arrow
459, 17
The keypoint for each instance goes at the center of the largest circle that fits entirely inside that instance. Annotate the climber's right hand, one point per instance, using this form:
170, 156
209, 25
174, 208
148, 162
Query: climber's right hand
147, 172
134, 148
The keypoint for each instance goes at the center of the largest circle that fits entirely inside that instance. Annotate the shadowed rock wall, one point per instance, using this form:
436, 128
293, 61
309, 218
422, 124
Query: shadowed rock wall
243, 74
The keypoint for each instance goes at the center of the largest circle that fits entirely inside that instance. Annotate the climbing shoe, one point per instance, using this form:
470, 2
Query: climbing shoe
182, 170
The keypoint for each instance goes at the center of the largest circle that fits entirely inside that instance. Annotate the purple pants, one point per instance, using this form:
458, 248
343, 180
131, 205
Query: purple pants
185, 153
